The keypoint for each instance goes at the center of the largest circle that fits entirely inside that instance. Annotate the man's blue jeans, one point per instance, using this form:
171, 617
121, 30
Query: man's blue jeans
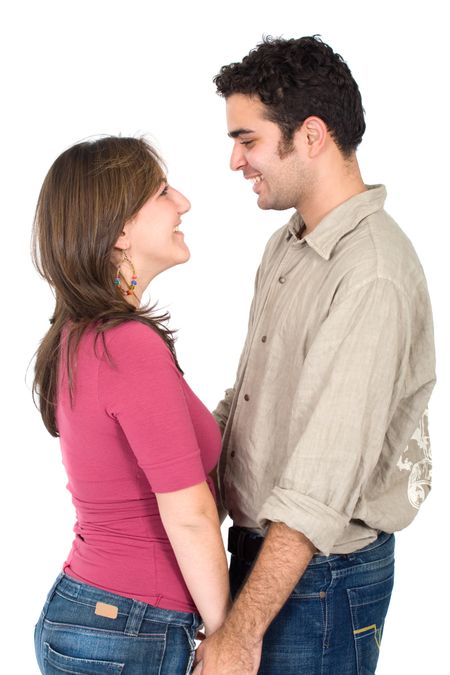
75, 634
333, 621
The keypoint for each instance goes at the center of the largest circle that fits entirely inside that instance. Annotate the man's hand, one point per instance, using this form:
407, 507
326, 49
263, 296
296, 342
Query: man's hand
225, 654
235, 648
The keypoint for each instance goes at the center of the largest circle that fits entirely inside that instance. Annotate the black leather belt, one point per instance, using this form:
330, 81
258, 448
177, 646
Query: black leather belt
244, 544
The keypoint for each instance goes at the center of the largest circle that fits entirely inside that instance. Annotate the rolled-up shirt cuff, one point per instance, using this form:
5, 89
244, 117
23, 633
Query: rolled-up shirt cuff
319, 523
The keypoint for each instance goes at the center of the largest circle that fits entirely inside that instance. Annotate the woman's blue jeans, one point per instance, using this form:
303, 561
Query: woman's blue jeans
80, 631
333, 621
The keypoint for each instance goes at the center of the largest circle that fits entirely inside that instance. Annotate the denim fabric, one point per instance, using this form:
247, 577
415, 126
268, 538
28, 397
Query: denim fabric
333, 621
142, 640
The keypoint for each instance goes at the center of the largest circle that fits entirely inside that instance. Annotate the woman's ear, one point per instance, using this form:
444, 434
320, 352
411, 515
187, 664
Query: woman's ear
123, 241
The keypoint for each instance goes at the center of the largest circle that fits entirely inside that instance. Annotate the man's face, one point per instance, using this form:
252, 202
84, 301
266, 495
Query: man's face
280, 178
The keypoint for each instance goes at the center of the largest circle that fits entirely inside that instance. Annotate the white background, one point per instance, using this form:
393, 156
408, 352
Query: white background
75, 69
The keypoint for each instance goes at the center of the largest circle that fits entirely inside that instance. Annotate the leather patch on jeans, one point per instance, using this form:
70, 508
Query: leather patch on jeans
110, 611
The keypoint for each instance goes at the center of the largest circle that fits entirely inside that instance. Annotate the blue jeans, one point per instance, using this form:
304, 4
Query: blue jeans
73, 635
333, 621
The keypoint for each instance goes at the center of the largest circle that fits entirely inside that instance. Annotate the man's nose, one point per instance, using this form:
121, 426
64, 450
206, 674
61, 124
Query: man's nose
237, 159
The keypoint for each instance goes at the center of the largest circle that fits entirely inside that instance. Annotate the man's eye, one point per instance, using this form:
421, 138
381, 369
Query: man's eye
246, 142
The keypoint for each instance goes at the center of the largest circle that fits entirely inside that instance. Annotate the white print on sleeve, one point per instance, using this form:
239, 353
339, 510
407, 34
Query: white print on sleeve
416, 458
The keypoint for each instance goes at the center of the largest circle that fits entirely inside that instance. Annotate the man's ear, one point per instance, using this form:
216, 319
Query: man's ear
315, 133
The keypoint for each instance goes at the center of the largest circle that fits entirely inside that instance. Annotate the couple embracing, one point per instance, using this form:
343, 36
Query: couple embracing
318, 453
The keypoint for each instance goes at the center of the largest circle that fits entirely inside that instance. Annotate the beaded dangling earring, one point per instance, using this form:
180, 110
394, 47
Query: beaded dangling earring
132, 286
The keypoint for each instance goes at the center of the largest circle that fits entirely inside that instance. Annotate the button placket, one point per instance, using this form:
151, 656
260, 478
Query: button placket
265, 299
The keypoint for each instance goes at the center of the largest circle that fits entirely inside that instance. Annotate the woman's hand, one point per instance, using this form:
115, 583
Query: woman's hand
191, 521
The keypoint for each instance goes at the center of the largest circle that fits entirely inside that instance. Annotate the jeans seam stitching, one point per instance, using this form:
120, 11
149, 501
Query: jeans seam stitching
57, 625
164, 651
373, 566
192, 652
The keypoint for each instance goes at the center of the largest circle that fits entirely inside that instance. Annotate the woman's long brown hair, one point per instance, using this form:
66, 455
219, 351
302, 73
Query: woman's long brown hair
90, 192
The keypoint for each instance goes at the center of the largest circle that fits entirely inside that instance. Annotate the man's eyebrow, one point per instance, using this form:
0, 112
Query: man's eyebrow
240, 132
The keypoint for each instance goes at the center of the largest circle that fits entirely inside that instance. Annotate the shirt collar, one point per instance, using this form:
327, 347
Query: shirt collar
340, 221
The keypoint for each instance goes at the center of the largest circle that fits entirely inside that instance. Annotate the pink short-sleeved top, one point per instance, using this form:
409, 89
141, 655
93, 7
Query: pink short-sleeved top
134, 429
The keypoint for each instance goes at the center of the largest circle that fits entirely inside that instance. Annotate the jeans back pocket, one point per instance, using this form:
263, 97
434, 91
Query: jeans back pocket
60, 663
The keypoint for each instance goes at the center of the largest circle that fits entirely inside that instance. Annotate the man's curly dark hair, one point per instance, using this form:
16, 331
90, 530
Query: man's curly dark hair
295, 79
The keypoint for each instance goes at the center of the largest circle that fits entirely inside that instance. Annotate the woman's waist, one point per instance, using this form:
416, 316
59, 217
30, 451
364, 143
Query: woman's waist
90, 509
123, 597
145, 570
145, 529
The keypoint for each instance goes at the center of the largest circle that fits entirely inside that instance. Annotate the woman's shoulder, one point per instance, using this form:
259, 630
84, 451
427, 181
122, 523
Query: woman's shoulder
136, 355
135, 333
135, 338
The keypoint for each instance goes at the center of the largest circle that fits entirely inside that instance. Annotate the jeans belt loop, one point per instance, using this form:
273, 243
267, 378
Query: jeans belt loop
135, 618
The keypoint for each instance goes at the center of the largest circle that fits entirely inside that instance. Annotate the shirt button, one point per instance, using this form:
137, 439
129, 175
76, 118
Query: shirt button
246, 397
264, 338
282, 280
232, 453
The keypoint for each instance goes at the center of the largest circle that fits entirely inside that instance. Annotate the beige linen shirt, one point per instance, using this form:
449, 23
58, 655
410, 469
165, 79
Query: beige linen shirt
326, 427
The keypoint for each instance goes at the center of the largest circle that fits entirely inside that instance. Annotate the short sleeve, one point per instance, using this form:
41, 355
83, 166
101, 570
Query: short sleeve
142, 390
349, 386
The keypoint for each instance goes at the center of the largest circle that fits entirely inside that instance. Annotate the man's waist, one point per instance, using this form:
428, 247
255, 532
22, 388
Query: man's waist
245, 544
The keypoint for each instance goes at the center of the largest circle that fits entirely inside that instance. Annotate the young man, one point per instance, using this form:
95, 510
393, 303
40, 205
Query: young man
325, 445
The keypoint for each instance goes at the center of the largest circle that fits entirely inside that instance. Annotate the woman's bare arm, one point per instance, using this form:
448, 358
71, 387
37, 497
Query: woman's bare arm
192, 524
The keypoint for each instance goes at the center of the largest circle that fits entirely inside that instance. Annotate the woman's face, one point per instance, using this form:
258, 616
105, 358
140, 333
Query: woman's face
154, 240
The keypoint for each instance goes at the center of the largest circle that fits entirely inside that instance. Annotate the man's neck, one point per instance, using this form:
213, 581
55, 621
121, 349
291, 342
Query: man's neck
330, 190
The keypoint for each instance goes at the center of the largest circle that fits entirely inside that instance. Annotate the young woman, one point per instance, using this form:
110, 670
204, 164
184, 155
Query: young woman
147, 560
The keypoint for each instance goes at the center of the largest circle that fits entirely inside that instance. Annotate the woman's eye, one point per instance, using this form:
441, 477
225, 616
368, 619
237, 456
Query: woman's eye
164, 192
